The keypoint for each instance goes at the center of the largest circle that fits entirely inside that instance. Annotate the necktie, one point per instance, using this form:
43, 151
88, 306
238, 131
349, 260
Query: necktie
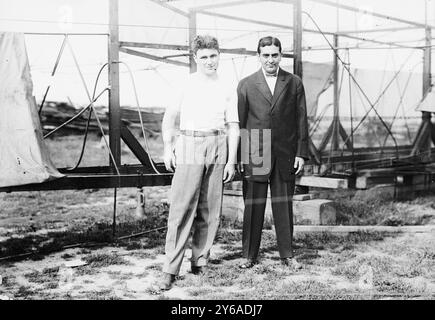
271, 75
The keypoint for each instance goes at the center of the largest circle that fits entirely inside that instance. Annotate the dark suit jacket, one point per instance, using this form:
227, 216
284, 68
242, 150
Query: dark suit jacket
284, 113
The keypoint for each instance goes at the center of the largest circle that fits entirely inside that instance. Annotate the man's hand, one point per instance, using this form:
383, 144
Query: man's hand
299, 164
169, 159
229, 172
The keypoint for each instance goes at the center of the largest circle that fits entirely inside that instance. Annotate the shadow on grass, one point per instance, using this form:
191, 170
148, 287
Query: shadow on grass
37, 246
305, 245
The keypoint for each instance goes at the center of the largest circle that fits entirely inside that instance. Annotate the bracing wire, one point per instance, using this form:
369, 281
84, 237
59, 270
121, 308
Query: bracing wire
140, 117
402, 95
400, 103
75, 116
91, 105
88, 121
317, 120
53, 72
356, 82
351, 113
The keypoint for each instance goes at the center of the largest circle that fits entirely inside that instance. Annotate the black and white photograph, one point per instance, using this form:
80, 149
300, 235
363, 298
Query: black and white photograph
228, 152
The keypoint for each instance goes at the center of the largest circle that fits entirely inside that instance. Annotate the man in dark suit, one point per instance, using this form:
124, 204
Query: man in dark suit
274, 146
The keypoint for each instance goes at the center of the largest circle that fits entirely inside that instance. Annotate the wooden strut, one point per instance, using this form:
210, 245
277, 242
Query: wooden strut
335, 130
426, 132
184, 48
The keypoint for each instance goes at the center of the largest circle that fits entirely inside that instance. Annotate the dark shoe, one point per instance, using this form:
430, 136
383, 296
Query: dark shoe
166, 282
292, 263
198, 270
249, 263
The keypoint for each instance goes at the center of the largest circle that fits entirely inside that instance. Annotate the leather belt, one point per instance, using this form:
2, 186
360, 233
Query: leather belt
208, 133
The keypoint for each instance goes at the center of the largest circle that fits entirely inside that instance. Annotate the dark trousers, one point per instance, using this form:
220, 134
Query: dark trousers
255, 196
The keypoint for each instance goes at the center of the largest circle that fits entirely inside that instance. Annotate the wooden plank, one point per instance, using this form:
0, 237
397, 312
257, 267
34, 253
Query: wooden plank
369, 182
149, 45
92, 181
153, 57
309, 181
322, 182
349, 229
403, 182
406, 169
296, 197
303, 197
153, 45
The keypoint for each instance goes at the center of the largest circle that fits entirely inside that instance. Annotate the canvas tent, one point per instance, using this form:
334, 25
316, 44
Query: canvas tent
24, 156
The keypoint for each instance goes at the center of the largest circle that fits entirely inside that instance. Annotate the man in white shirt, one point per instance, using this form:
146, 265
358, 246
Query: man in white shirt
204, 158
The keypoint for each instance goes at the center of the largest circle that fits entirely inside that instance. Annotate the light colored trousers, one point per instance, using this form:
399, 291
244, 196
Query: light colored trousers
196, 199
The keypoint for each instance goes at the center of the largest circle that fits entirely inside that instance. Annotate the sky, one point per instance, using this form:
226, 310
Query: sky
142, 20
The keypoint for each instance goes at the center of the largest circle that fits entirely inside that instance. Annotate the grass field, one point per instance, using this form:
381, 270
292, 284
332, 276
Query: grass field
59, 245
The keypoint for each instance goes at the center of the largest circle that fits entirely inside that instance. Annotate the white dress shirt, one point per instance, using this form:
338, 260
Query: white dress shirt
206, 104
271, 80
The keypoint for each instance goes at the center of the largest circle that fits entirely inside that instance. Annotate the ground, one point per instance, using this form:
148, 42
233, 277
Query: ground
358, 265
59, 245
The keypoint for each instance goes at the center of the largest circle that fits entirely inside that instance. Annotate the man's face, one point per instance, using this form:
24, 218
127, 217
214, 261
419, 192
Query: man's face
207, 61
270, 57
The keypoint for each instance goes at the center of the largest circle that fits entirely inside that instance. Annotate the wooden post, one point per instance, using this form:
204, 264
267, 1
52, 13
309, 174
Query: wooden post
114, 102
336, 120
297, 38
297, 60
422, 141
427, 79
427, 62
192, 34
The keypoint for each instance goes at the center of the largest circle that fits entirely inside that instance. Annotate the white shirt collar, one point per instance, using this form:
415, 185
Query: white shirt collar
264, 72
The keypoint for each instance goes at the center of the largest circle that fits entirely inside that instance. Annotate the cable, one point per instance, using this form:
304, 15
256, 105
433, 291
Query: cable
88, 121
142, 26
347, 69
399, 104
96, 115
336, 119
78, 69
76, 116
401, 99
140, 117
317, 121
351, 114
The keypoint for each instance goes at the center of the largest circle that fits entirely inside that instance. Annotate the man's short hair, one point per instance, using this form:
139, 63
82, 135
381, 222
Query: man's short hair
204, 42
268, 41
